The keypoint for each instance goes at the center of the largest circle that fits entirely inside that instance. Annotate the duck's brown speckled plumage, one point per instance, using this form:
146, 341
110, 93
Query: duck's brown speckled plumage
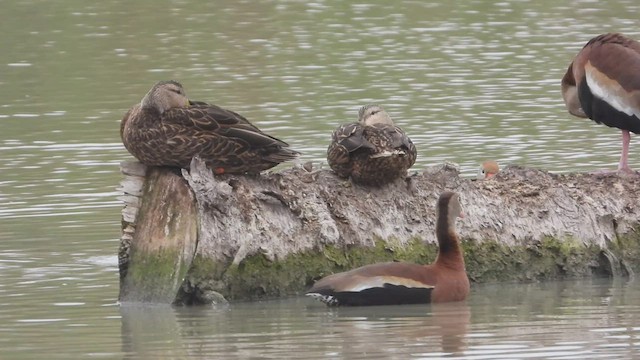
166, 129
372, 151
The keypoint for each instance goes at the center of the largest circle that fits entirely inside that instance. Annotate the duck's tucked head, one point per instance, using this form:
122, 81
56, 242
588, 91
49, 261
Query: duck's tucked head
165, 95
488, 169
370, 115
449, 206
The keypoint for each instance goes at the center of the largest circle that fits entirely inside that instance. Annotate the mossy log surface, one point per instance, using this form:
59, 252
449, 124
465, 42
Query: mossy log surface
273, 235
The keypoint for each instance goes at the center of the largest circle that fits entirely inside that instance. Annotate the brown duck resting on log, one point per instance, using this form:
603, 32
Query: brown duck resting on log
602, 83
372, 151
395, 283
167, 129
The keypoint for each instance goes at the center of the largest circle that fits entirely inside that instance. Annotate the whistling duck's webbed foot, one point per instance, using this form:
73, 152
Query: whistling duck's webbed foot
627, 171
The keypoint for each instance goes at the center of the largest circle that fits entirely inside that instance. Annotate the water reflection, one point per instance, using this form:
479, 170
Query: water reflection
594, 318
438, 329
252, 330
147, 329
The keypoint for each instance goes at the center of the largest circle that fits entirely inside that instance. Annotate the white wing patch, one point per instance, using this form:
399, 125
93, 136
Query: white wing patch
609, 90
388, 154
327, 299
379, 281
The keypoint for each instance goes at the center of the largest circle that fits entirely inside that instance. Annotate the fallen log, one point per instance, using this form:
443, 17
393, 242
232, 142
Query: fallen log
199, 238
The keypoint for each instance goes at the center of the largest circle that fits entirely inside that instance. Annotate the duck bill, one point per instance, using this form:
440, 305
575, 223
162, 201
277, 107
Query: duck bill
197, 103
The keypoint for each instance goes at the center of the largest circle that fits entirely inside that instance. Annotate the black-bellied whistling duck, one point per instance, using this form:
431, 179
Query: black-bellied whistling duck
603, 84
488, 169
394, 283
167, 129
372, 151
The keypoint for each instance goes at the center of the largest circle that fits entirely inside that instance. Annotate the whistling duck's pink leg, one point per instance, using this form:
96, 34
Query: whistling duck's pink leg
624, 158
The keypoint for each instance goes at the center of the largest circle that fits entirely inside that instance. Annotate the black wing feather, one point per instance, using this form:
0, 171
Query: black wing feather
389, 294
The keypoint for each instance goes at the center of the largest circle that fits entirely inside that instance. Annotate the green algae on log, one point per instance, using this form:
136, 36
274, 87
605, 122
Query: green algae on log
273, 235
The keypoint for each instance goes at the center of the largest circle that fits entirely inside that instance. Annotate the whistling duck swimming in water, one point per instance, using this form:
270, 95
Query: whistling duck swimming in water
372, 151
603, 84
167, 129
488, 169
396, 283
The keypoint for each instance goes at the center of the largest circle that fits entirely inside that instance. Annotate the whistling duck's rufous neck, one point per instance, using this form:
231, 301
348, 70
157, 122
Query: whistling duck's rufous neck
450, 254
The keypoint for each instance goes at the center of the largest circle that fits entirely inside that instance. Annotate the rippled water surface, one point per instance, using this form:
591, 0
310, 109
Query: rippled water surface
467, 80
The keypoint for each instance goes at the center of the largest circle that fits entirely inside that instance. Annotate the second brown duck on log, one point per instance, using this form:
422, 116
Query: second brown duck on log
395, 283
372, 151
167, 129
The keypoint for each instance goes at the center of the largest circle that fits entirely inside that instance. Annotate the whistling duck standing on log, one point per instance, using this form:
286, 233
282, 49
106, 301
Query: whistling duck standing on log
603, 84
395, 283
372, 151
488, 169
167, 129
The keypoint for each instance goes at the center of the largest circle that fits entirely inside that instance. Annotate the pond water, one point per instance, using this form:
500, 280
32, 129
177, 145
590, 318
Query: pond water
467, 80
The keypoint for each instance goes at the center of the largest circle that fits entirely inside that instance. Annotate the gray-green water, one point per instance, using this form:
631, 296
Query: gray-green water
468, 80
